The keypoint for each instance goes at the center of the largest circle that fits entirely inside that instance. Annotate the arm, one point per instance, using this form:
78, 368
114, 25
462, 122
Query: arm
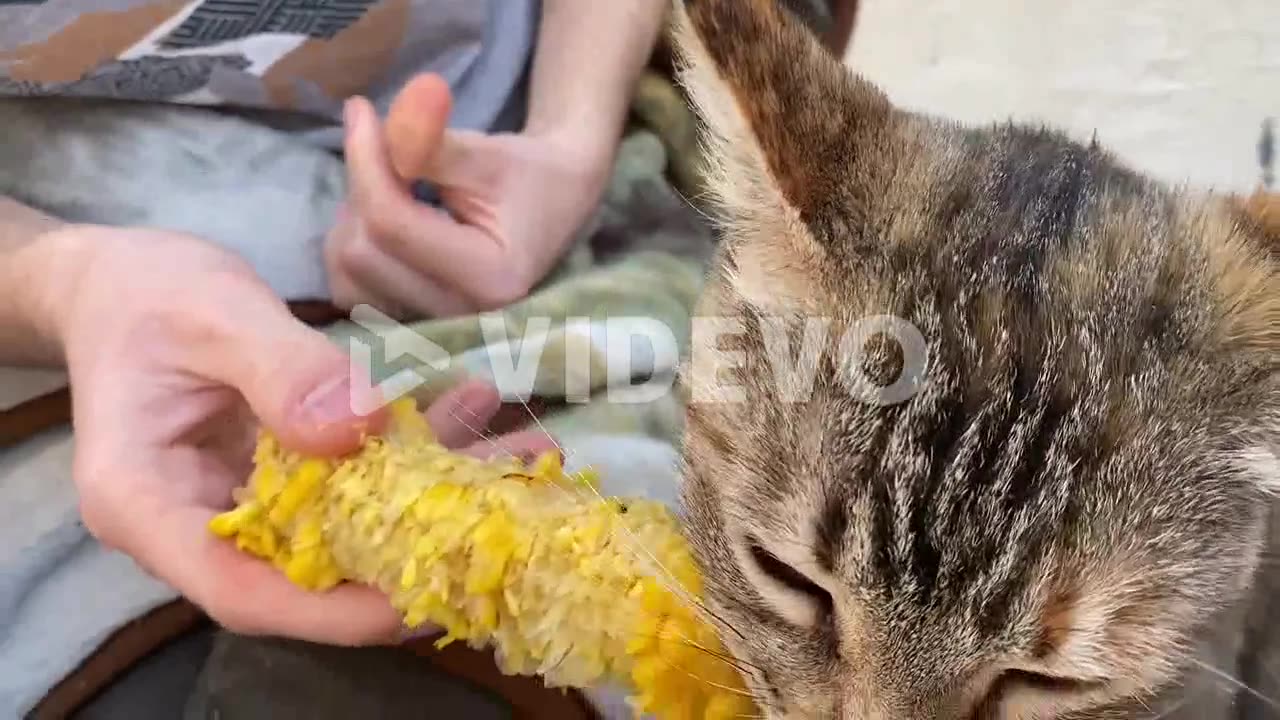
30, 270
173, 344
588, 58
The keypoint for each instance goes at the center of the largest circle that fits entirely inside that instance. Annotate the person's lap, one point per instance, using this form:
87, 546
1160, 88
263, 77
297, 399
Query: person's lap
111, 166
208, 674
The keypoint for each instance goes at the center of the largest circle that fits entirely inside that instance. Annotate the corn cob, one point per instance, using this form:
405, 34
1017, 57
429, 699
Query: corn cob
527, 560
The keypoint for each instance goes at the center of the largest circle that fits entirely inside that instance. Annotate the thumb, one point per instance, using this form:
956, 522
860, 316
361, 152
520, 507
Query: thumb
420, 145
414, 143
415, 124
303, 388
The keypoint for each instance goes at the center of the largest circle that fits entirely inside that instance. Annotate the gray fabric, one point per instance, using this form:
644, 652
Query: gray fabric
245, 186
262, 193
267, 195
18, 385
272, 56
61, 594
487, 83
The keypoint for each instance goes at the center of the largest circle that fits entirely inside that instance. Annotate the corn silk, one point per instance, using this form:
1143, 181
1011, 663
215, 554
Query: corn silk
525, 559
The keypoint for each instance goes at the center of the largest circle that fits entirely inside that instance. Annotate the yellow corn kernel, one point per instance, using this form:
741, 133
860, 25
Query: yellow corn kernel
297, 489
232, 522
518, 559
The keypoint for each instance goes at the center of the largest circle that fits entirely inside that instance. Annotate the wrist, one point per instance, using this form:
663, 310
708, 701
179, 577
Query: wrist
588, 153
47, 273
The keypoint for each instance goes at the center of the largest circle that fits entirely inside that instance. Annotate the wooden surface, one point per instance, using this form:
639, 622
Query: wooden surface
34, 416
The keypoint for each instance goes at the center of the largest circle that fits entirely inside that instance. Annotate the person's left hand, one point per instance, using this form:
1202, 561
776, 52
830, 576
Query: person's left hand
179, 354
512, 205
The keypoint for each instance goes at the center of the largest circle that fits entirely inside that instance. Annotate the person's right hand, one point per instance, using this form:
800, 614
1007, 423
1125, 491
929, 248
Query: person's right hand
176, 351
511, 206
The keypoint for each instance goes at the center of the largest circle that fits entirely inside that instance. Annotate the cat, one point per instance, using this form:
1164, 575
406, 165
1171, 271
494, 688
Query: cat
1069, 512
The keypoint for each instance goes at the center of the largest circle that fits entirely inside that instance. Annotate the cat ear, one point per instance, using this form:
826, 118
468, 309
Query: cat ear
793, 139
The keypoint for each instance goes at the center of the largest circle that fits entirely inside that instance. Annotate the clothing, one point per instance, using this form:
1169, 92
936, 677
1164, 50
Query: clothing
296, 56
61, 593
68, 148
251, 188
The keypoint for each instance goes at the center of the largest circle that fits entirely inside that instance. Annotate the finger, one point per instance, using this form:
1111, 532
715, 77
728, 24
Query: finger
463, 159
348, 294
416, 123
461, 415
389, 284
372, 176
302, 386
251, 597
422, 146
339, 260
423, 237
528, 445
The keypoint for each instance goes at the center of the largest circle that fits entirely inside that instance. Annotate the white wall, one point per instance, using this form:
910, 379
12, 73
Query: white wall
1179, 88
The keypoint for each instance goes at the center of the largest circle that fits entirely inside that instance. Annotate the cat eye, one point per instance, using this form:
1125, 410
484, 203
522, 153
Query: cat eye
790, 578
1041, 682
1012, 679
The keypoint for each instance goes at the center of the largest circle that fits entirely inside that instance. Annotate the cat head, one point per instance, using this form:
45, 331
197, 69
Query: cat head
981, 421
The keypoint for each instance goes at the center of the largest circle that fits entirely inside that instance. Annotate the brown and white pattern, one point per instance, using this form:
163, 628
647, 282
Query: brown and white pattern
299, 55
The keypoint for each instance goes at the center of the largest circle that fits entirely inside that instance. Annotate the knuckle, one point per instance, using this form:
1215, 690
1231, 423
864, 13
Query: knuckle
344, 292
378, 222
501, 288
356, 254
346, 298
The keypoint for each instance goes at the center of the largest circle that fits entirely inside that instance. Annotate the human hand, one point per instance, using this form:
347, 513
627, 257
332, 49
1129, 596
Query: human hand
176, 350
512, 205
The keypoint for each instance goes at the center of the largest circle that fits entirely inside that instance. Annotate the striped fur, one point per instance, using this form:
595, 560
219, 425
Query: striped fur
1067, 519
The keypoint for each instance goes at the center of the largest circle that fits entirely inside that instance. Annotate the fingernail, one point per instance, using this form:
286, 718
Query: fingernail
478, 394
422, 632
332, 402
348, 112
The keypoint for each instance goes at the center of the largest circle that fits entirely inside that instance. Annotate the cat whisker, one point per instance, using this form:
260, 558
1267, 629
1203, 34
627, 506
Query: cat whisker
739, 664
736, 663
1236, 682
699, 210
1168, 711
481, 435
534, 417
668, 579
709, 683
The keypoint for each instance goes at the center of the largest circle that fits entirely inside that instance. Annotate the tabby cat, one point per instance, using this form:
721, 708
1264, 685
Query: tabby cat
1069, 514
